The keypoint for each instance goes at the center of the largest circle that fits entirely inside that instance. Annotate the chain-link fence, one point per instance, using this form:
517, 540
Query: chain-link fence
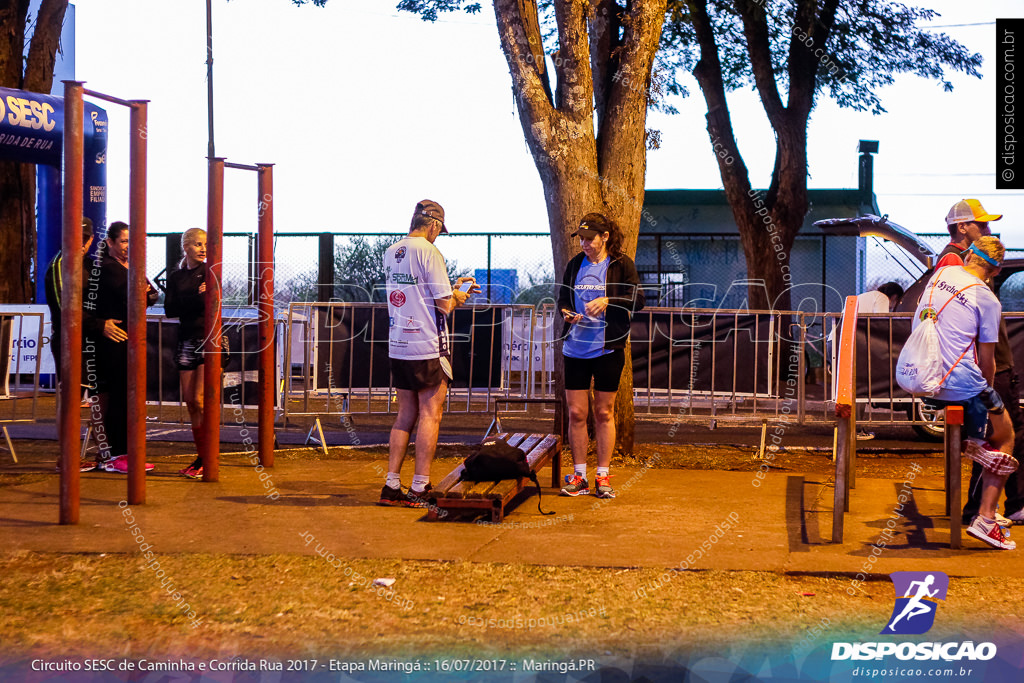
691, 269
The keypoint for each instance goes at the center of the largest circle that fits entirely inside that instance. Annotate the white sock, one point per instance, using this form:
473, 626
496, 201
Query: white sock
419, 482
394, 480
581, 470
602, 471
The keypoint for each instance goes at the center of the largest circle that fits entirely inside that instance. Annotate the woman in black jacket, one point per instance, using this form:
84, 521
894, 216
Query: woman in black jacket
106, 299
186, 300
600, 292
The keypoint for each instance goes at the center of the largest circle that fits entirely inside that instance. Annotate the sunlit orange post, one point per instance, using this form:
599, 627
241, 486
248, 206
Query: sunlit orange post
137, 290
265, 408
954, 420
212, 395
846, 417
70, 417
137, 286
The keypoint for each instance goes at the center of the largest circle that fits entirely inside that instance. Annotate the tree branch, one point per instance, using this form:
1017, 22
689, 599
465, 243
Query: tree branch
708, 72
12, 35
574, 85
532, 92
755, 28
42, 52
604, 32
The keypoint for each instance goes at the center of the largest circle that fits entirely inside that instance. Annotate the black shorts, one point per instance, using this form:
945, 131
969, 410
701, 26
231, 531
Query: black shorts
605, 370
189, 355
417, 375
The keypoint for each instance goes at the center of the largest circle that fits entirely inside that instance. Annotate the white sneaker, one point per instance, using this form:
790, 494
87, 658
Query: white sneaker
865, 436
1017, 517
1003, 521
997, 462
990, 533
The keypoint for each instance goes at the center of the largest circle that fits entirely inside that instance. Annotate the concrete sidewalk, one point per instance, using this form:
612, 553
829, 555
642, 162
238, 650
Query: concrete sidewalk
662, 518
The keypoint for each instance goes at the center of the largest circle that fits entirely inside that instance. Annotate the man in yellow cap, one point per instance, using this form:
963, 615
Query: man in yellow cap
966, 222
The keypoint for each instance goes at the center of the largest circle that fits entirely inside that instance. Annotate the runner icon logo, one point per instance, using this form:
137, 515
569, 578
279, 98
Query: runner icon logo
917, 596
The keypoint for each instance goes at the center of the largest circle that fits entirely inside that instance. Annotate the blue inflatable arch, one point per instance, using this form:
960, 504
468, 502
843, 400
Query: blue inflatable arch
32, 131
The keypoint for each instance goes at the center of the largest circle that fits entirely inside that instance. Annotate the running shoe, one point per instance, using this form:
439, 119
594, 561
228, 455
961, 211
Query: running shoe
119, 465
1016, 517
418, 499
575, 485
997, 462
990, 533
604, 487
191, 472
83, 466
1003, 521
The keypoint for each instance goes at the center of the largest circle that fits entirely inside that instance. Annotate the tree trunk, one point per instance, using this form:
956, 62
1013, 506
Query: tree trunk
598, 73
17, 181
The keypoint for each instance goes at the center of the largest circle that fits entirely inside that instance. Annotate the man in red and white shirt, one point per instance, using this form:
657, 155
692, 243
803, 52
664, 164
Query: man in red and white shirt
420, 298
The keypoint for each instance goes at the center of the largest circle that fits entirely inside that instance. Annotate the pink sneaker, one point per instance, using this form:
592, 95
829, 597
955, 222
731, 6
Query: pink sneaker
119, 465
996, 462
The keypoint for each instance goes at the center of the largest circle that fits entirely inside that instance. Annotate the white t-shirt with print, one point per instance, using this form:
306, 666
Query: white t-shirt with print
972, 316
416, 276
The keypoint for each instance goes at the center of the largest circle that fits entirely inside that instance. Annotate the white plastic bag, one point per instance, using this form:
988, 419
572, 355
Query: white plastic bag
919, 368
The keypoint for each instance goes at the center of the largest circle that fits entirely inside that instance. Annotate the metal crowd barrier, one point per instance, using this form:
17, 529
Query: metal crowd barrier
239, 376
337, 358
880, 338
21, 341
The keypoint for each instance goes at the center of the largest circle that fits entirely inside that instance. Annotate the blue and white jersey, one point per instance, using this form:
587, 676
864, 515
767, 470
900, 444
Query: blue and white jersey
586, 338
416, 277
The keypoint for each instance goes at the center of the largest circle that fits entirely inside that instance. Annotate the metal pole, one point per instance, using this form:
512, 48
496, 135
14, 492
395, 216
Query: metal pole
212, 395
137, 287
210, 153
954, 499
71, 296
325, 276
265, 259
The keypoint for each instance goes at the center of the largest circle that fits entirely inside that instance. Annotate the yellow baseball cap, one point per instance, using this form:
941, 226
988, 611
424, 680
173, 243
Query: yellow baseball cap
970, 211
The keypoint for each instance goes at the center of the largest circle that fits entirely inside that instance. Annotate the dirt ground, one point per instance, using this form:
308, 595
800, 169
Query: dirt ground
290, 606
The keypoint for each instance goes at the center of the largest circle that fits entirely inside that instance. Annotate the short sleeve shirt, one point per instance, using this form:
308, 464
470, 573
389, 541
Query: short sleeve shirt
416, 276
972, 315
586, 338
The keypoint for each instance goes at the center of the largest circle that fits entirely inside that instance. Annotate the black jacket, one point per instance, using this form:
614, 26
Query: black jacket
625, 297
184, 301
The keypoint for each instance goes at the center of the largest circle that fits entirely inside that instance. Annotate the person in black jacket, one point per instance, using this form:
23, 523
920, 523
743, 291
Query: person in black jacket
186, 300
53, 280
53, 283
106, 298
600, 292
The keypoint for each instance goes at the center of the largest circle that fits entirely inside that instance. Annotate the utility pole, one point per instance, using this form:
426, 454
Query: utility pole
209, 76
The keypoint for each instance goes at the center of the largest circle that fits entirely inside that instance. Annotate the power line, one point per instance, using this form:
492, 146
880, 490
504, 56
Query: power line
980, 23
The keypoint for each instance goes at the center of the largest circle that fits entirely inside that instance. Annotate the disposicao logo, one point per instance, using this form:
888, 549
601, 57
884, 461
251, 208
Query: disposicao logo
917, 594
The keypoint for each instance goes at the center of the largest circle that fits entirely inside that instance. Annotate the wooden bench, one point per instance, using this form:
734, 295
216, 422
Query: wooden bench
454, 496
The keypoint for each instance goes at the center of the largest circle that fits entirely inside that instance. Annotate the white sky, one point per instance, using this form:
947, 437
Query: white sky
365, 110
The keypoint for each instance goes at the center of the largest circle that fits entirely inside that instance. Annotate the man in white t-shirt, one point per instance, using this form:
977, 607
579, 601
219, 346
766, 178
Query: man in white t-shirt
967, 317
420, 298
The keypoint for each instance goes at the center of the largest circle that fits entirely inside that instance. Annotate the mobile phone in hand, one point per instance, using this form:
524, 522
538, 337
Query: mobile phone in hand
466, 286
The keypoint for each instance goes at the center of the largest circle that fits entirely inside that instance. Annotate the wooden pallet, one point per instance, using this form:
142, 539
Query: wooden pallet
454, 496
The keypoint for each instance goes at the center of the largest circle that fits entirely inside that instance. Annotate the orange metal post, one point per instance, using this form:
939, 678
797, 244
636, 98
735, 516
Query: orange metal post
137, 287
265, 259
212, 395
71, 297
954, 502
846, 421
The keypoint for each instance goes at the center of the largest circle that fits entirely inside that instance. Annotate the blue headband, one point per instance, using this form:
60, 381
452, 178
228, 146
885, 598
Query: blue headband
979, 252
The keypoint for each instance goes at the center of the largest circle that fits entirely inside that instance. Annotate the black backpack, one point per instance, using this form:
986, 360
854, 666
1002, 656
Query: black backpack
497, 461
